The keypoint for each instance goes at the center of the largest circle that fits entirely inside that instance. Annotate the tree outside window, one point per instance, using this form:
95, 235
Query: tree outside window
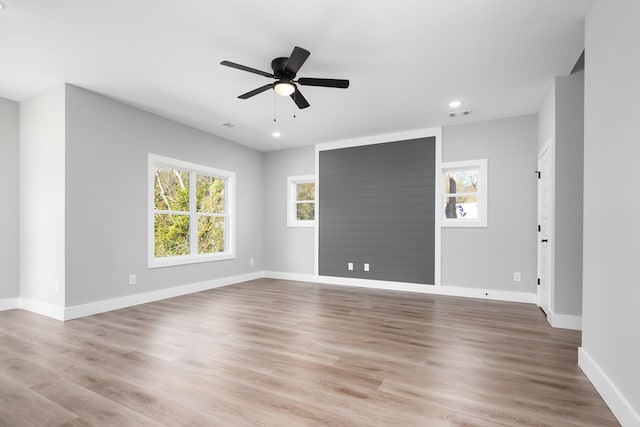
464, 194
301, 201
191, 213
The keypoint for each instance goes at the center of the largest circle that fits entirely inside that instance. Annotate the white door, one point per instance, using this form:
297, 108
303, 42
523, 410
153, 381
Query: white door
545, 207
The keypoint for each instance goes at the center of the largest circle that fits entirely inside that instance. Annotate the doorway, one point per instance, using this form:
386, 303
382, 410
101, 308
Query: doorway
545, 227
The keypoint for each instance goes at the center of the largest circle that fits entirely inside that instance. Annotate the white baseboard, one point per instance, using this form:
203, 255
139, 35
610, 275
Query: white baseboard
92, 308
9, 304
619, 405
564, 321
42, 308
408, 287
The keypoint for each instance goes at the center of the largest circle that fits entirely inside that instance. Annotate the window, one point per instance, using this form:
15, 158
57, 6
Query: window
301, 201
191, 213
464, 194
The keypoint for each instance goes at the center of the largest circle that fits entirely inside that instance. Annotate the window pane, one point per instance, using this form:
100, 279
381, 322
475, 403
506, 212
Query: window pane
465, 207
210, 234
210, 194
461, 180
171, 191
305, 191
305, 211
171, 235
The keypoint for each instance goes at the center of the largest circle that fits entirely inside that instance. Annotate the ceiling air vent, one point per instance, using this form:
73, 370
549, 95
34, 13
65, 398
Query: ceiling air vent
462, 113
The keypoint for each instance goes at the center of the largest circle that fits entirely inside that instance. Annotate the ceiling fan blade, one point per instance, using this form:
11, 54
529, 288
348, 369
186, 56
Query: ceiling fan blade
309, 81
297, 58
245, 68
256, 91
300, 100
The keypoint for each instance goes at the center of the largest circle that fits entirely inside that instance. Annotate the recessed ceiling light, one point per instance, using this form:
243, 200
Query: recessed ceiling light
455, 104
2, 6
276, 134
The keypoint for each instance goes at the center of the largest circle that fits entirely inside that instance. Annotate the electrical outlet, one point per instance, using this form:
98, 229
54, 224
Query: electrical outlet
517, 276
350, 266
132, 279
251, 261
366, 266
57, 285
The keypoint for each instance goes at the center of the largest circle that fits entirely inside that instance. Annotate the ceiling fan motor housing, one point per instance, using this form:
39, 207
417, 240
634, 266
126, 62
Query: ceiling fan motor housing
278, 66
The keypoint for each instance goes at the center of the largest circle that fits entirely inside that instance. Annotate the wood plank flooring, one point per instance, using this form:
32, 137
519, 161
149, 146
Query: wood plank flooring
278, 353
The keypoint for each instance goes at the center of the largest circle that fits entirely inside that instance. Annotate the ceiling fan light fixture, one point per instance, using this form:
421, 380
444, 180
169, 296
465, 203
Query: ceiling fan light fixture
284, 88
455, 104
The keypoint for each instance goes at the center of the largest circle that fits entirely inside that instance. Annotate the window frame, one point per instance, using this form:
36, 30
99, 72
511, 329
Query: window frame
292, 202
193, 169
482, 193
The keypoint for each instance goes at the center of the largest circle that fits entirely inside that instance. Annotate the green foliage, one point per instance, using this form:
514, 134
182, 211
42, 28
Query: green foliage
305, 196
210, 234
171, 235
171, 230
305, 211
306, 191
210, 194
171, 190
210, 198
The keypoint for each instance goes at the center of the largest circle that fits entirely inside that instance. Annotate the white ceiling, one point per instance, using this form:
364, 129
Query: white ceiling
405, 59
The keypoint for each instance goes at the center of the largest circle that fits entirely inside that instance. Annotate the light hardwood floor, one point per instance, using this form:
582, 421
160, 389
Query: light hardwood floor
279, 353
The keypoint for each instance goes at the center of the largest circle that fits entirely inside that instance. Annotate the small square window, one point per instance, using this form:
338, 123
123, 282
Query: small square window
464, 194
301, 201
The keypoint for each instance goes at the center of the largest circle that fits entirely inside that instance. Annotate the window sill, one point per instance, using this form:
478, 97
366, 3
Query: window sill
461, 223
299, 224
188, 259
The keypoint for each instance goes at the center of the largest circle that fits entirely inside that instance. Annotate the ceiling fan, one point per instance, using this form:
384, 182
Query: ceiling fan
284, 71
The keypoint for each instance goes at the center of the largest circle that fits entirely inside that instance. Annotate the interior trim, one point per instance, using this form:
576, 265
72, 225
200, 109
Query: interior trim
524, 297
612, 396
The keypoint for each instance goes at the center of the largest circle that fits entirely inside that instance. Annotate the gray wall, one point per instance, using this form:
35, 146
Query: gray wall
547, 119
489, 256
286, 249
106, 198
10, 190
376, 206
42, 197
569, 155
611, 294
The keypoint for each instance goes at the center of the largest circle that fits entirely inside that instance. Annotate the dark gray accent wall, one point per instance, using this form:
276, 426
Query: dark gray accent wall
376, 206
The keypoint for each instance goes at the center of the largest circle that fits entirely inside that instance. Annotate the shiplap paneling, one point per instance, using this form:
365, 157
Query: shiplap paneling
376, 206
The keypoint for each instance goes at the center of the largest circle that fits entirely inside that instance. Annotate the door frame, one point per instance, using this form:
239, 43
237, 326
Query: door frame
548, 147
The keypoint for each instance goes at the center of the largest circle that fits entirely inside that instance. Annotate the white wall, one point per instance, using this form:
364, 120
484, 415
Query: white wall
106, 198
287, 249
42, 197
611, 296
488, 257
9, 189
